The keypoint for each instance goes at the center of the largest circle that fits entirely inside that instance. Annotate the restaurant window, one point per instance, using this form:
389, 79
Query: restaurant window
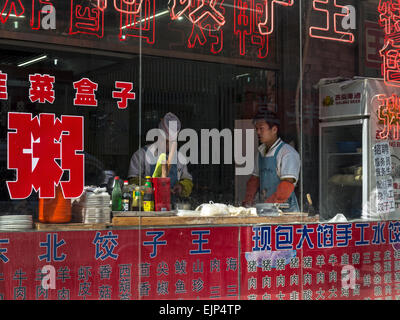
176, 102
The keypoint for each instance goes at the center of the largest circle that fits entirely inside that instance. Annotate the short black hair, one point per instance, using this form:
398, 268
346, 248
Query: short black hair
270, 117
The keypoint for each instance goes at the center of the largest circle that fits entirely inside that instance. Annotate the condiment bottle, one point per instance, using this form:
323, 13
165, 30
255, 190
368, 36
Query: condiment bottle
126, 197
148, 197
116, 195
137, 200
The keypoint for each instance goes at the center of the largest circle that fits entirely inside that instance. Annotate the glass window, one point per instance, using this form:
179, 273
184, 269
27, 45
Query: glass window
248, 139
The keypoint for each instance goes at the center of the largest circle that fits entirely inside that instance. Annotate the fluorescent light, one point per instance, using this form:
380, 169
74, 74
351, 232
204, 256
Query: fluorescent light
162, 13
12, 15
242, 75
31, 61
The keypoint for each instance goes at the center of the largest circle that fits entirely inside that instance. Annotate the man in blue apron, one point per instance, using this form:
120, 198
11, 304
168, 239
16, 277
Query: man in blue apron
277, 167
144, 160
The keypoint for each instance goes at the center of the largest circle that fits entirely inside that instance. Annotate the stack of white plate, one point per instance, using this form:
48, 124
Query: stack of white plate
15, 222
96, 207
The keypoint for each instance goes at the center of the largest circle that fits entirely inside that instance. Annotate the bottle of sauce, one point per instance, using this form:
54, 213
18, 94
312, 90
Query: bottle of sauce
148, 197
116, 196
137, 200
126, 197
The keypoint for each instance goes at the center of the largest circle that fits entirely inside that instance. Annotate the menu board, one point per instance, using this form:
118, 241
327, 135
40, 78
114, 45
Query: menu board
290, 262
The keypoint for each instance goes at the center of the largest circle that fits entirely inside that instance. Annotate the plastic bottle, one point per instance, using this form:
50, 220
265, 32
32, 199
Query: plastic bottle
137, 200
116, 195
148, 197
126, 197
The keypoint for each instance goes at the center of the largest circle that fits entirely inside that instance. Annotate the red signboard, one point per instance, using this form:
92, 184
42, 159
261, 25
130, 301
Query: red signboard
321, 262
318, 262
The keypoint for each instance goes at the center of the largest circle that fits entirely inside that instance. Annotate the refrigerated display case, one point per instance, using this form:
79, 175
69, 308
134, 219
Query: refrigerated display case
349, 127
341, 168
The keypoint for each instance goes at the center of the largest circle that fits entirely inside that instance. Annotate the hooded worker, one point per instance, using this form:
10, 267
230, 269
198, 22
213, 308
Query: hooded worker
143, 161
277, 167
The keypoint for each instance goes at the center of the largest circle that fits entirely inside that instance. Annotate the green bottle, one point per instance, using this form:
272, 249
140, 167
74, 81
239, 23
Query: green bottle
116, 196
148, 182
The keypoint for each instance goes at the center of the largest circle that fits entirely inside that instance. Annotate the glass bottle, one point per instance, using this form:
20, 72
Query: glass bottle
116, 195
126, 197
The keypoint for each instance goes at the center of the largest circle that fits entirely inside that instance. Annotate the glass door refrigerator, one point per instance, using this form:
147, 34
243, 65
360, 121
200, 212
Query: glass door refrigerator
354, 179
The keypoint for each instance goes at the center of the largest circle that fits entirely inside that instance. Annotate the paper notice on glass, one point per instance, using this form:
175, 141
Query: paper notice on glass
385, 196
382, 159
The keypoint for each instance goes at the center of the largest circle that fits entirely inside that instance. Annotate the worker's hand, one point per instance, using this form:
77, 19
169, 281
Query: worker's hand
251, 189
178, 188
282, 194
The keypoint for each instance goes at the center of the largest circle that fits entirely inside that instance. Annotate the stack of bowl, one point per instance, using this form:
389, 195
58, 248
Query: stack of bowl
96, 206
15, 222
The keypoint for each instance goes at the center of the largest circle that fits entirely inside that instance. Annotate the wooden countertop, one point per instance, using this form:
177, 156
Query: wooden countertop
70, 226
165, 221
188, 221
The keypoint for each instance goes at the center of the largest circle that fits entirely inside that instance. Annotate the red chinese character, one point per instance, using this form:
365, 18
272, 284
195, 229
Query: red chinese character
125, 94
137, 19
389, 114
85, 95
242, 23
3, 86
207, 18
389, 17
11, 6
41, 88
207, 31
208, 8
248, 16
332, 20
37, 7
72, 143
86, 18
391, 64
34, 147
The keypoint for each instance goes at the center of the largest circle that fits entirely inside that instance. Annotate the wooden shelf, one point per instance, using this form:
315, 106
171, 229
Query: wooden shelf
212, 221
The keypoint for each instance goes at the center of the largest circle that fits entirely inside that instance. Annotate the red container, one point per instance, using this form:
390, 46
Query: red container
57, 210
162, 194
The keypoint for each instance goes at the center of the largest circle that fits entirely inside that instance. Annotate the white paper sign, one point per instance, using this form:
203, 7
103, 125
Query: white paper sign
385, 196
382, 159
384, 181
